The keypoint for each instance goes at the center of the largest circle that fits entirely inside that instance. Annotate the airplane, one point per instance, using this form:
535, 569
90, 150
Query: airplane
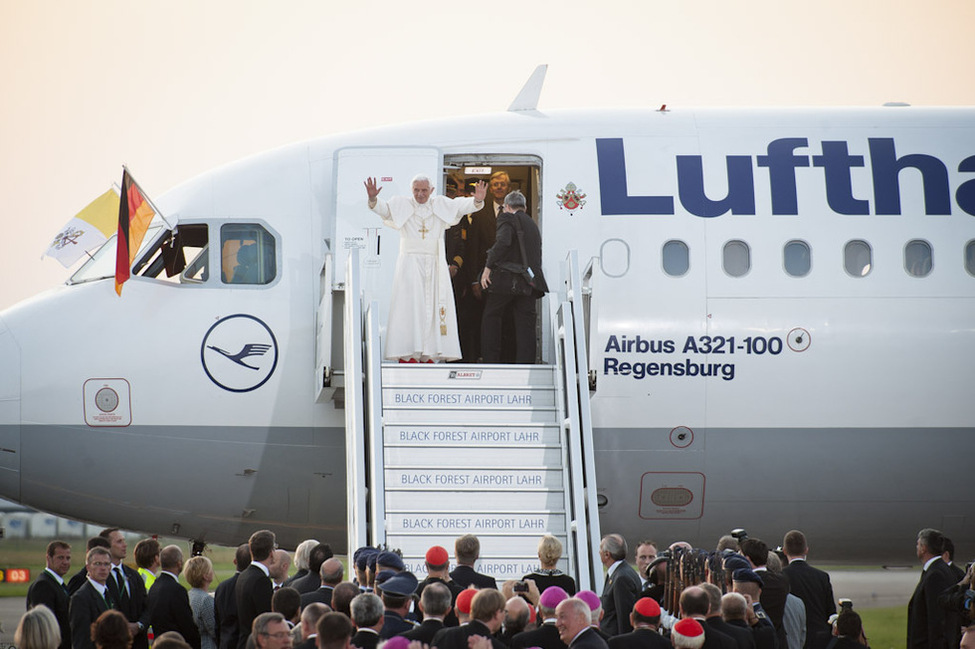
779, 328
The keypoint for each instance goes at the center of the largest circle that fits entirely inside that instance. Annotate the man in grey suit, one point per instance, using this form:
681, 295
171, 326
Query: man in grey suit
622, 587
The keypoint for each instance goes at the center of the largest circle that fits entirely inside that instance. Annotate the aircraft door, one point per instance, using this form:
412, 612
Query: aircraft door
356, 226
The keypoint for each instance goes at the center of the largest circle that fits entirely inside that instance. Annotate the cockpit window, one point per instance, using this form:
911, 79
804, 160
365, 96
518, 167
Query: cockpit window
182, 253
247, 254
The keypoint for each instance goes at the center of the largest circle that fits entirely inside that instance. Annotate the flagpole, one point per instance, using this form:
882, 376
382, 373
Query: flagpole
148, 200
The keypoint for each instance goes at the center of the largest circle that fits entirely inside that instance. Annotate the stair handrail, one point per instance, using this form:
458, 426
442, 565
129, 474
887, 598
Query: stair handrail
355, 437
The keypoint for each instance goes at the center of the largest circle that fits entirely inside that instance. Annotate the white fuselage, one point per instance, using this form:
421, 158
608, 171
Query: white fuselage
727, 391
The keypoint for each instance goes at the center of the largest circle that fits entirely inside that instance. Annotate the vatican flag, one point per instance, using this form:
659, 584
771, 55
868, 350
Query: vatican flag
90, 228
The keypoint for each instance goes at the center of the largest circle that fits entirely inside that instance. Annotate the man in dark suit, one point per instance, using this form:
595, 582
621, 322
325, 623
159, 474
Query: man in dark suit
813, 587
435, 603
487, 614
645, 620
735, 613
467, 550
925, 617
622, 587
572, 619
367, 615
775, 586
225, 602
91, 599
127, 588
313, 581
50, 590
334, 631
743, 637
169, 604
481, 233
253, 590
695, 605
437, 561
310, 615
508, 252
79, 578
331, 574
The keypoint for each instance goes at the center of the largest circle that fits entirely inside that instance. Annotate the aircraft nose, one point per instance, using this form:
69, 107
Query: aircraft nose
9, 414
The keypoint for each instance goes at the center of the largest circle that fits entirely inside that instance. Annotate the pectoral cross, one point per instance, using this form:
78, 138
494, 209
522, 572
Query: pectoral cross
423, 230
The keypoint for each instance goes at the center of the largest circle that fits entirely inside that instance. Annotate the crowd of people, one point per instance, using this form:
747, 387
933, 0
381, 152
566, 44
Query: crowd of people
741, 595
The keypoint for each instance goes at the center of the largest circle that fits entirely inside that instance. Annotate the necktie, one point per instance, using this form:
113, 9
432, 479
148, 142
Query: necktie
120, 580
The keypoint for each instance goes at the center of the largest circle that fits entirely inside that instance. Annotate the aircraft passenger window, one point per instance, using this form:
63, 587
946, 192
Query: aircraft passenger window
182, 253
917, 258
247, 254
737, 259
970, 257
797, 258
857, 258
676, 258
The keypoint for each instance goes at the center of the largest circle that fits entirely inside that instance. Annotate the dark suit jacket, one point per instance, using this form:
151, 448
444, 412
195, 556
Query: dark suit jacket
480, 237
714, 639
543, 581
545, 637
455, 590
764, 635
639, 639
169, 610
77, 581
589, 639
456, 637
365, 640
507, 249
925, 617
774, 593
310, 643
253, 593
136, 609
464, 576
322, 595
425, 632
813, 587
293, 578
620, 593
225, 613
47, 591
85, 607
742, 636
308, 583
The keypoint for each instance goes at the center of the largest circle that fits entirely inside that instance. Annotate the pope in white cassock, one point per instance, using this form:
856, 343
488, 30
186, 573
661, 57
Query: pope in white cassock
422, 324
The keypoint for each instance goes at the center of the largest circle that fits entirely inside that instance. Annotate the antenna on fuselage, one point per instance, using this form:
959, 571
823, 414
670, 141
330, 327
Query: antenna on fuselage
527, 99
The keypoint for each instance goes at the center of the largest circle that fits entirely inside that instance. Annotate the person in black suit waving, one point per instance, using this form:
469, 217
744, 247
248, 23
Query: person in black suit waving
925, 617
518, 244
169, 603
813, 587
50, 590
254, 590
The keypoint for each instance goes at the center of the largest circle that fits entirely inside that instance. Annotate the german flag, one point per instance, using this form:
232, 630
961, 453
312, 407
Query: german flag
134, 215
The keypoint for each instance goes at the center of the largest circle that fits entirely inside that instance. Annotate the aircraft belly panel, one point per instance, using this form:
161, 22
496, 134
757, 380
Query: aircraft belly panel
212, 487
9, 415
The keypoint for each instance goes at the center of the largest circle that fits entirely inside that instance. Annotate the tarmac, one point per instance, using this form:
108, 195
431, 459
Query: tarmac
867, 588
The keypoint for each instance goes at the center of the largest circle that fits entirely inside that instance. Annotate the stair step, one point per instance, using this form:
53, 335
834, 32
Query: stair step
467, 376
456, 524
473, 457
468, 435
471, 502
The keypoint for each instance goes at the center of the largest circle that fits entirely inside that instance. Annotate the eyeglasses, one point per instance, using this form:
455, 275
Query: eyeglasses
280, 635
100, 564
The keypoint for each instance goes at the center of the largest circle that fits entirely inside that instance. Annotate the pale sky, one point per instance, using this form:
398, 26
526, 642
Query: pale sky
173, 88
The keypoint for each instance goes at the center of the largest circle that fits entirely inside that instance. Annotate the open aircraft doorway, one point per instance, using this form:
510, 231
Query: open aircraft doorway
504, 173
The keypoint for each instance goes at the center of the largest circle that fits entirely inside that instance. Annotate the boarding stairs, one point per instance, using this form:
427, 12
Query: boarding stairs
503, 452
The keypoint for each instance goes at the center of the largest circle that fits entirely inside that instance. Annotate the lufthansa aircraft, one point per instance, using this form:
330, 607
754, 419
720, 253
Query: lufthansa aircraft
780, 328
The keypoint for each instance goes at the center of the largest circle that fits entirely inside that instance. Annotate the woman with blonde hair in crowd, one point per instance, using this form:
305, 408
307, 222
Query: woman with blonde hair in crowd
199, 575
549, 553
37, 629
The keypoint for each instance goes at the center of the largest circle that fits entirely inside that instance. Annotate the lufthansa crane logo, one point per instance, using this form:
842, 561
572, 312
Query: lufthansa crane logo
239, 353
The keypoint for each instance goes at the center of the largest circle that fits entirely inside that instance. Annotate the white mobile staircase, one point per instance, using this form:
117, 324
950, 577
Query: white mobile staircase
500, 451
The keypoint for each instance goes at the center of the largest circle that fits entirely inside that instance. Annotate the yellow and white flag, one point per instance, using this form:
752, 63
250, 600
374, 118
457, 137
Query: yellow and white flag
90, 228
